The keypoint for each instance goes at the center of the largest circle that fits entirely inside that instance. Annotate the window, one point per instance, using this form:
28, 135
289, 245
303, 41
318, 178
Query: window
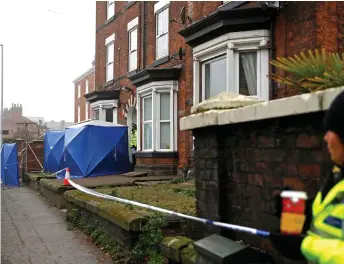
157, 111
5, 132
86, 111
86, 84
164, 121
109, 115
110, 9
214, 70
162, 24
235, 62
96, 114
147, 123
105, 110
78, 113
79, 91
247, 73
133, 49
109, 61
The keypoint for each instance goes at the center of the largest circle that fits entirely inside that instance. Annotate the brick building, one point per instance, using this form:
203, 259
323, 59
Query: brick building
15, 125
84, 84
141, 78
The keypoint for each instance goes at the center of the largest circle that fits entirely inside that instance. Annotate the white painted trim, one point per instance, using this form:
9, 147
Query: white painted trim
229, 45
196, 77
133, 23
295, 105
138, 123
85, 74
110, 39
252, 34
154, 89
105, 104
160, 5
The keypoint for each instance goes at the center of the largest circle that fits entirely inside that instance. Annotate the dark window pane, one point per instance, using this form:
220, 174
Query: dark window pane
109, 115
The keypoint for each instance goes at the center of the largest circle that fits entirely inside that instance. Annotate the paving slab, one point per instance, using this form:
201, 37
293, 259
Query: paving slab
34, 232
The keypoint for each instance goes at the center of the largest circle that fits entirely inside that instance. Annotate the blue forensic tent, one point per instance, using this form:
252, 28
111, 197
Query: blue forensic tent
9, 165
95, 148
53, 149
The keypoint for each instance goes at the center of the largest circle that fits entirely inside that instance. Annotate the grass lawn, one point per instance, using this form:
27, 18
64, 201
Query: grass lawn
175, 197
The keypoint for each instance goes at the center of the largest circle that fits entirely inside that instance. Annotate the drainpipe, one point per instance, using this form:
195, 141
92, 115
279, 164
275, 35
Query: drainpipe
144, 25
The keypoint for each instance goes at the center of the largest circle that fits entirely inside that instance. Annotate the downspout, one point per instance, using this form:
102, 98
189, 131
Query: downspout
144, 42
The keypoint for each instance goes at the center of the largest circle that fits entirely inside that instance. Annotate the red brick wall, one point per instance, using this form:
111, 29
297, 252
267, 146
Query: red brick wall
241, 167
307, 25
119, 27
82, 100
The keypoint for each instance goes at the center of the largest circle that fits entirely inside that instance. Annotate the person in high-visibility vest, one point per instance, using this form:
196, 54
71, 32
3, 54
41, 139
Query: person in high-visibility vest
324, 226
133, 144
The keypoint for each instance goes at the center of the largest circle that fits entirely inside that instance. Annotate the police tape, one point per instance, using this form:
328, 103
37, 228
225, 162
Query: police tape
253, 231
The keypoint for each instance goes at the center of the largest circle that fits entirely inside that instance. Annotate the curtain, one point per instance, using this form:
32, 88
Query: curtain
249, 63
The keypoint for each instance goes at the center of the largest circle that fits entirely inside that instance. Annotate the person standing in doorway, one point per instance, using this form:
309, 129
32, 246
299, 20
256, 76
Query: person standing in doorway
133, 144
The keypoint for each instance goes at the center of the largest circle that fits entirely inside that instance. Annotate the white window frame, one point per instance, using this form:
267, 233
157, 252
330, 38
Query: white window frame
79, 114
110, 5
86, 85
159, 121
86, 111
147, 121
221, 56
79, 91
230, 45
154, 89
132, 26
158, 8
110, 42
102, 105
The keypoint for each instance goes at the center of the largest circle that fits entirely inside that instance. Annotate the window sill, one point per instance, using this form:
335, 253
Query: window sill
289, 106
156, 154
131, 73
130, 4
108, 83
109, 20
161, 61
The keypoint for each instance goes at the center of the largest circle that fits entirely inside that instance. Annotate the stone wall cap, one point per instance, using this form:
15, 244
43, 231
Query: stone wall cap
288, 106
225, 100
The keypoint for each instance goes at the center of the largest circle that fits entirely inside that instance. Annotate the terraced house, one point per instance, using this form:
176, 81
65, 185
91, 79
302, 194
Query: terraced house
155, 60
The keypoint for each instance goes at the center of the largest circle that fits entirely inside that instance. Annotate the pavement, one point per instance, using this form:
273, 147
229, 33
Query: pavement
32, 231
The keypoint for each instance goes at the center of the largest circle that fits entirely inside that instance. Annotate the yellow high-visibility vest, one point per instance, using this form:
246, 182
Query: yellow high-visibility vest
325, 240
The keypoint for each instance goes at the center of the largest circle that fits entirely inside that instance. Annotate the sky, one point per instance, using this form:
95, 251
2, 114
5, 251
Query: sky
47, 44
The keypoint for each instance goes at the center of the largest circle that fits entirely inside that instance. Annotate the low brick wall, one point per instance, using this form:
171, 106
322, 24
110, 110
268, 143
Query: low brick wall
117, 220
240, 168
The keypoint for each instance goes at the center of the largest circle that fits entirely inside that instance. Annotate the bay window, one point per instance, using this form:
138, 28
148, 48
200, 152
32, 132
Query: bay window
110, 11
132, 34
162, 25
157, 114
164, 121
147, 123
236, 62
110, 48
105, 110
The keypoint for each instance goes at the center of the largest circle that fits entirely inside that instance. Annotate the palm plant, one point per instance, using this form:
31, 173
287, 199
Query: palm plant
311, 71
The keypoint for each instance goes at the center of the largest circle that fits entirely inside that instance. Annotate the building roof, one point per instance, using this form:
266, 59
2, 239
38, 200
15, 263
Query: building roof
84, 74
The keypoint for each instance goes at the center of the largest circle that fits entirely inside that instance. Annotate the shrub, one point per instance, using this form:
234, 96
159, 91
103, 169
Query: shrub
311, 71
